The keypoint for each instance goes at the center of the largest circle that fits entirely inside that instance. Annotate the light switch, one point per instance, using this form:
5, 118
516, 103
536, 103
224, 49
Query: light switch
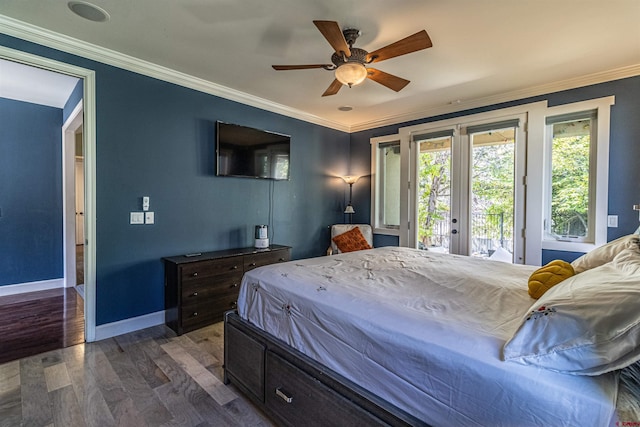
136, 218
149, 218
612, 221
145, 203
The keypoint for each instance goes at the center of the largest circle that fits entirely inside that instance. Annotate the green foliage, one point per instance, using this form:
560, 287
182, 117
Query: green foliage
570, 185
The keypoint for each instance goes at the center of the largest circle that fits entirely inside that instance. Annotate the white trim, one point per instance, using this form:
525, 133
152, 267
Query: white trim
545, 89
32, 33
129, 325
375, 184
23, 288
89, 174
35, 34
69, 194
526, 254
603, 106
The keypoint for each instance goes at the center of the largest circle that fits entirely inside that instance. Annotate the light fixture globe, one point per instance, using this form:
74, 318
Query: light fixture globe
351, 73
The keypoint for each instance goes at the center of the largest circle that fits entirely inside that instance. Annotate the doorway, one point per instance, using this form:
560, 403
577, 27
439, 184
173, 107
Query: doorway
466, 189
85, 114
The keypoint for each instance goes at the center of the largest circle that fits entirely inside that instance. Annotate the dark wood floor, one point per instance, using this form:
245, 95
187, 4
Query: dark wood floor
146, 378
36, 322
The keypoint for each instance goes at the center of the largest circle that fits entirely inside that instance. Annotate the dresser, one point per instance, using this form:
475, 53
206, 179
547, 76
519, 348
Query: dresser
200, 288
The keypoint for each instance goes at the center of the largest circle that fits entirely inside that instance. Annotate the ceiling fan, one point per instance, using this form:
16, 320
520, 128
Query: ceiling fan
350, 63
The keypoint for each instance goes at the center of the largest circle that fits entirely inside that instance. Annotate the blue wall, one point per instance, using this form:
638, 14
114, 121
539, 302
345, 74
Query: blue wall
30, 192
624, 174
156, 139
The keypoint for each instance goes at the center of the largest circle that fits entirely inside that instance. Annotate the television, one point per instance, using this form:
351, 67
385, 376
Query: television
243, 151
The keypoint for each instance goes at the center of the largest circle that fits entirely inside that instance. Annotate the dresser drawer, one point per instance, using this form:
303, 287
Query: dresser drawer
265, 258
208, 287
207, 311
203, 269
297, 398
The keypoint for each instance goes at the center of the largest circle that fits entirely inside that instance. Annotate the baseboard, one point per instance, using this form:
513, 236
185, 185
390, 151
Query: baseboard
23, 288
129, 325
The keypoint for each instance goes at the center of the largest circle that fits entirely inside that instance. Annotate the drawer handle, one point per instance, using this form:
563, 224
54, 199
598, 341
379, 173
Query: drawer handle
282, 260
253, 264
195, 313
283, 395
195, 274
234, 304
195, 294
235, 267
235, 285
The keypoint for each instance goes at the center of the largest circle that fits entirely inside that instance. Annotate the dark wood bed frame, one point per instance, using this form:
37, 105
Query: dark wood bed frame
294, 389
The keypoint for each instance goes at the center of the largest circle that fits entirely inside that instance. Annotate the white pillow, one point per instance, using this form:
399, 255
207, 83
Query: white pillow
587, 325
604, 254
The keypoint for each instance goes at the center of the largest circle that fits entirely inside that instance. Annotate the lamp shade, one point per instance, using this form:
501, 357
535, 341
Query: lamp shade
349, 210
351, 179
351, 73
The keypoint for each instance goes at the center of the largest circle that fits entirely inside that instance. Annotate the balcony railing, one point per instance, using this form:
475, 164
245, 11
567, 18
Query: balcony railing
489, 233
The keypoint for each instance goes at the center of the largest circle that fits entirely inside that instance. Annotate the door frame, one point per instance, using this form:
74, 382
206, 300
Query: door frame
89, 118
69, 128
408, 207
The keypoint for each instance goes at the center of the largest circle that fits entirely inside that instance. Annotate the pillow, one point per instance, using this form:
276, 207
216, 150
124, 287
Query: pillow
548, 276
588, 326
604, 254
351, 240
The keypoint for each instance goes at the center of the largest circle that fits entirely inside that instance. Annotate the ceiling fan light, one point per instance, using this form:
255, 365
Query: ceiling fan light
351, 73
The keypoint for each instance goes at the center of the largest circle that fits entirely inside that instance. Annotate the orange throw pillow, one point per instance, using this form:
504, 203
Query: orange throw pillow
351, 240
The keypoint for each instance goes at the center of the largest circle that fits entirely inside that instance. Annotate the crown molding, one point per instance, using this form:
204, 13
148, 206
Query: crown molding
587, 80
32, 33
51, 39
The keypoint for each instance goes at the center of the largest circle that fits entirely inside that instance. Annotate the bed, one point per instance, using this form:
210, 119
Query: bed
398, 336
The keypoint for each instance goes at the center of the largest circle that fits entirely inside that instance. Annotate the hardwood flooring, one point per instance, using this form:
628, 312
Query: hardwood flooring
146, 378
36, 322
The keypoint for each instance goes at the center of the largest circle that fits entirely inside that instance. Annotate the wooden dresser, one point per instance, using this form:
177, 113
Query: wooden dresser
198, 289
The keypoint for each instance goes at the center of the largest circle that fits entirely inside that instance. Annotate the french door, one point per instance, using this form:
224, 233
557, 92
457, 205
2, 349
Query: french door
467, 189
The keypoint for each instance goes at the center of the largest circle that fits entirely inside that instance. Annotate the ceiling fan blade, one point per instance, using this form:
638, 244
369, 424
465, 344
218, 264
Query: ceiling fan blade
299, 67
333, 88
389, 80
418, 41
332, 32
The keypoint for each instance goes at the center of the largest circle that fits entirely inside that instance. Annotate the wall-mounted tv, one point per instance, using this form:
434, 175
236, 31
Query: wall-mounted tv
243, 151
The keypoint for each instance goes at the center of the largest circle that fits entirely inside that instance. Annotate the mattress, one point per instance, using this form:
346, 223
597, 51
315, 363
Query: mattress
423, 331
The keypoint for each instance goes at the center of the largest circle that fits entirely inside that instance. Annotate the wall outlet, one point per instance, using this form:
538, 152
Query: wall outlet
145, 203
149, 218
612, 221
136, 218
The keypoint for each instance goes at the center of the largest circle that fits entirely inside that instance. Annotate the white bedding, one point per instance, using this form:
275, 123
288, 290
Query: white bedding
425, 332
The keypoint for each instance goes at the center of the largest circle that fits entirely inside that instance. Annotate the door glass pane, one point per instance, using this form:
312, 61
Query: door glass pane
570, 179
434, 194
389, 193
492, 194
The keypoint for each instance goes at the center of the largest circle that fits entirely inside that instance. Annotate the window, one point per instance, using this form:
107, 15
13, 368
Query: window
571, 142
557, 156
575, 175
386, 185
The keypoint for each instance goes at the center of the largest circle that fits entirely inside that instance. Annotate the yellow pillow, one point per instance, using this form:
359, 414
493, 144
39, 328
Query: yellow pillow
548, 276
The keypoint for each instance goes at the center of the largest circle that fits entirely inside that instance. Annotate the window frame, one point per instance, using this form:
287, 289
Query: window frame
598, 169
537, 168
376, 197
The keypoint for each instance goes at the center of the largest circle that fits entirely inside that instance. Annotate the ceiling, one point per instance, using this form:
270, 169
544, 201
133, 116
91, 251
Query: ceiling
483, 51
34, 85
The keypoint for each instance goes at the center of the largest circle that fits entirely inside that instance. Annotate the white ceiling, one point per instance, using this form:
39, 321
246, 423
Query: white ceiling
30, 84
483, 51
